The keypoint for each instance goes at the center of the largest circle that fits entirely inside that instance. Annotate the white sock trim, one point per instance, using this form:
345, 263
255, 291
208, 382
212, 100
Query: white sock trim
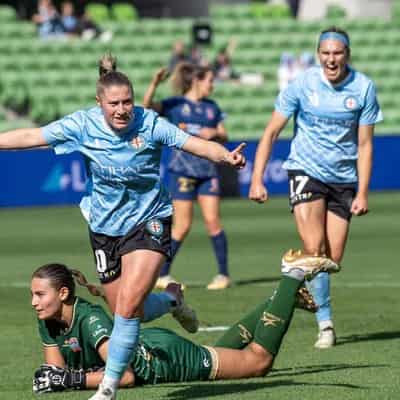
325, 324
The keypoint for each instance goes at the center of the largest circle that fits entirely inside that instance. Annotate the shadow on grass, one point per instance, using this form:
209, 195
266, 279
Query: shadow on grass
207, 390
240, 282
368, 337
313, 369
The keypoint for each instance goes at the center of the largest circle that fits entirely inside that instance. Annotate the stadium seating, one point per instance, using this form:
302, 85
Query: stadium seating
49, 78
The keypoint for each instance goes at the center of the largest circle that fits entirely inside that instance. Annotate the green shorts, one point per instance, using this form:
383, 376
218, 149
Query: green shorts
163, 356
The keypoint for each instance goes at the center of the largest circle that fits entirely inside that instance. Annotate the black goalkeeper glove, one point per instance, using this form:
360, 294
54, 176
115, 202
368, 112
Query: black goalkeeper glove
49, 378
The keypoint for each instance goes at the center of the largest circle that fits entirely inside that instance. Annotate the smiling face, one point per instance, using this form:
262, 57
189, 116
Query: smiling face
46, 300
334, 56
116, 101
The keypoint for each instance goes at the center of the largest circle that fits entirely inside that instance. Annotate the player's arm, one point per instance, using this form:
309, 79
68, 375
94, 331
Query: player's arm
215, 152
148, 102
364, 168
53, 356
218, 134
258, 192
22, 139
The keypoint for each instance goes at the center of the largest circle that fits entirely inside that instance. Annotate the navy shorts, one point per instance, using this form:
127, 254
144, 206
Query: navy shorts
188, 188
338, 197
154, 234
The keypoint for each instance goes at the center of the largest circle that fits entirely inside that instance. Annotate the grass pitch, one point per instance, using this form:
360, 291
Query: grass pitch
364, 365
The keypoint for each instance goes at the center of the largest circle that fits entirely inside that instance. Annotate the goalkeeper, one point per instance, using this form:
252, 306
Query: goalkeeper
75, 334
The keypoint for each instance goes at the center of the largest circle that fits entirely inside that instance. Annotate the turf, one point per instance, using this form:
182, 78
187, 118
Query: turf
365, 364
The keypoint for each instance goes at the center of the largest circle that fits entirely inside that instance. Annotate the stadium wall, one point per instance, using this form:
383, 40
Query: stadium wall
40, 178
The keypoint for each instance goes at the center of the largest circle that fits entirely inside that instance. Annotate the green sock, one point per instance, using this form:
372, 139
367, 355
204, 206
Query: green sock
276, 317
240, 334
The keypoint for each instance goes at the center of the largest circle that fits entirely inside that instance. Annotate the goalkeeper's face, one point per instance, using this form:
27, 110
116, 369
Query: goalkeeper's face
46, 300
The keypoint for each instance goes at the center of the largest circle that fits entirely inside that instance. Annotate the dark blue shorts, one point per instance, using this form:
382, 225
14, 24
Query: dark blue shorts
188, 188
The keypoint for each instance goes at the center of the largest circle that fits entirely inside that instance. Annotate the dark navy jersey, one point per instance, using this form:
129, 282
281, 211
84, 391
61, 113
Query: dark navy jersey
191, 117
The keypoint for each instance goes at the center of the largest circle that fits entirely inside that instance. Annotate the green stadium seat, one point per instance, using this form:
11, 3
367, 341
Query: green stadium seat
97, 12
7, 13
124, 12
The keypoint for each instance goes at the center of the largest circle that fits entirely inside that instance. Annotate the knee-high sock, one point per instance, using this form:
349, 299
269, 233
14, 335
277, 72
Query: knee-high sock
320, 289
156, 305
122, 344
275, 319
220, 245
240, 334
175, 244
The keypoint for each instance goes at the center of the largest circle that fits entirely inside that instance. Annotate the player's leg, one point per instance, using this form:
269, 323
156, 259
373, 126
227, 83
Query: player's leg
139, 271
209, 201
184, 192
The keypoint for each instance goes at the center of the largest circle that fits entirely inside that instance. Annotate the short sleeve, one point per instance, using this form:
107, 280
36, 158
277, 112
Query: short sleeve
65, 134
168, 134
371, 112
44, 334
219, 115
287, 102
98, 326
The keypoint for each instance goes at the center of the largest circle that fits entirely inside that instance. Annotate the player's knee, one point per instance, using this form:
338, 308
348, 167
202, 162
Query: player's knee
181, 230
262, 360
213, 226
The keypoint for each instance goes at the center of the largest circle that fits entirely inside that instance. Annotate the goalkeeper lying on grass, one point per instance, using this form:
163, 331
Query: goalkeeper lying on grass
75, 335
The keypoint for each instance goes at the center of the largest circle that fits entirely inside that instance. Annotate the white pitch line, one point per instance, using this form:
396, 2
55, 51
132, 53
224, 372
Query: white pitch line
213, 328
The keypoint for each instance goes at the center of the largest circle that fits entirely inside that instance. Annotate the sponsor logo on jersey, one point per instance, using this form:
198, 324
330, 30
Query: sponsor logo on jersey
93, 319
210, 113
245, 334
350, 103
99, 330
186, 110
138, 143
155, 227
73, 344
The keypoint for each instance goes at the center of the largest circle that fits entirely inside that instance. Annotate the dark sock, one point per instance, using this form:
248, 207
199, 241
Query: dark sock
240, 334
220, 245
175, 244
275, 319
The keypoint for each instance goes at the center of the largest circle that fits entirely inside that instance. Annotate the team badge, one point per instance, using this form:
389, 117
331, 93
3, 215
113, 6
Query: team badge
350, 102
186, 110
155, 227
138, 143
73, 344
210, 113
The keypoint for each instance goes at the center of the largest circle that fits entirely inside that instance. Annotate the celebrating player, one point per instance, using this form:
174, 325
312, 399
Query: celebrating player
335, 109
76, 335
127, 208
192, 177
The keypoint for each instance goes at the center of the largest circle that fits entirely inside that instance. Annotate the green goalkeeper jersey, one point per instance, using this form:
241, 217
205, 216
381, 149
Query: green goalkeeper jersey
161, 355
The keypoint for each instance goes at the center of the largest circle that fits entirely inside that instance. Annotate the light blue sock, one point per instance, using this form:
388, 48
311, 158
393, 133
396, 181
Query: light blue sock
320, 289
122, 344
156, 305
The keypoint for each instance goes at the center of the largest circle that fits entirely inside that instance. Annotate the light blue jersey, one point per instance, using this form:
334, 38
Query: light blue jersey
124, 187
326, 120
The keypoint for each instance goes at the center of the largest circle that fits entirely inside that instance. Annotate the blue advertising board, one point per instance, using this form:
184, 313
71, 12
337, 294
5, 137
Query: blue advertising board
39, 177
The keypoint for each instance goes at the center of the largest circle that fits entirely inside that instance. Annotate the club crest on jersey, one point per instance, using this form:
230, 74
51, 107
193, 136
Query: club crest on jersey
73, 344
186, 110
155, 227
210, 113
138, 143
350, 103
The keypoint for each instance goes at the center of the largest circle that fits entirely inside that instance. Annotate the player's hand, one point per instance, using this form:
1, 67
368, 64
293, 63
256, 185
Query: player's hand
50, 378
359, 206
258, 192
160, 75
236, 157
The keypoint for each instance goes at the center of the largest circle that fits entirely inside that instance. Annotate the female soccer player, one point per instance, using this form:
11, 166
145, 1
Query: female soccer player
76, 335
127, 208
192, 177
335, 109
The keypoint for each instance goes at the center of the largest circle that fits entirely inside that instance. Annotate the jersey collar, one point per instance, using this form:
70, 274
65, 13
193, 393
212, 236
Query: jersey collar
339, 85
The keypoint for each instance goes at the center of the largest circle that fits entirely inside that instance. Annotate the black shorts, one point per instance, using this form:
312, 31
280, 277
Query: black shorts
154, 234
338, 197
